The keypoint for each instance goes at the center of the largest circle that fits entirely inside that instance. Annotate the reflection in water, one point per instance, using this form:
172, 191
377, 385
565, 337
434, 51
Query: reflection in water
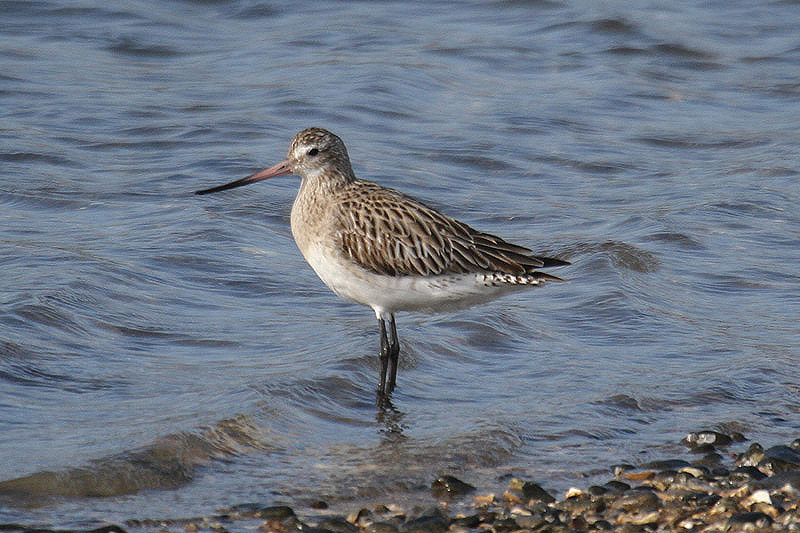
390, 420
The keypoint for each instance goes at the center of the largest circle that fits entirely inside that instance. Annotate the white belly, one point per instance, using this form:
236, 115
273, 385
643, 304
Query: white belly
389, 294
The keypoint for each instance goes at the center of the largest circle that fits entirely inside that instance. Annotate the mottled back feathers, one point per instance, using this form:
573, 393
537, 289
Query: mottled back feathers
390, 233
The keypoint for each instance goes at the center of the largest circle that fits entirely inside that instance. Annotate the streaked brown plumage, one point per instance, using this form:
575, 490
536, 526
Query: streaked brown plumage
391, 233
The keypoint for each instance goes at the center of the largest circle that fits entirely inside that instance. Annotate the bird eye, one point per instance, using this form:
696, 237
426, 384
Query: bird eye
313, 152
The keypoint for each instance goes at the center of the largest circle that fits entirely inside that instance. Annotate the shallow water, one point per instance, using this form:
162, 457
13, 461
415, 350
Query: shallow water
174, 354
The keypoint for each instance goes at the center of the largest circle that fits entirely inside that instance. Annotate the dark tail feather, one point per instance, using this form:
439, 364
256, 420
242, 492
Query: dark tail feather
548, 262
545, 276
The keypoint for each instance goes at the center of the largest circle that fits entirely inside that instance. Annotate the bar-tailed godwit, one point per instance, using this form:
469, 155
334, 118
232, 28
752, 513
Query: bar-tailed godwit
386, 250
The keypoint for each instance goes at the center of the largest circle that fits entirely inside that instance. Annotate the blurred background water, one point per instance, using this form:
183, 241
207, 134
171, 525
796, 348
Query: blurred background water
173, 354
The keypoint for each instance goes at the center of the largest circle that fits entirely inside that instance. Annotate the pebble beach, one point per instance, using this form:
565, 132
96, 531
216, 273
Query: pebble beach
726, 484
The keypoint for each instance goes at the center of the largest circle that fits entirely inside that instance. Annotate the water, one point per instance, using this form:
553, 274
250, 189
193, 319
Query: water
165, 355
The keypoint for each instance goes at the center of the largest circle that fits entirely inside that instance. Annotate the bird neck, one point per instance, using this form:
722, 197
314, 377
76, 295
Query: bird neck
327, 180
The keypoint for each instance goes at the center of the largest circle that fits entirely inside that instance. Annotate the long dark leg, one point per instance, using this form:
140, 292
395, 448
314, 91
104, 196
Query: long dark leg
383, 355
394, 355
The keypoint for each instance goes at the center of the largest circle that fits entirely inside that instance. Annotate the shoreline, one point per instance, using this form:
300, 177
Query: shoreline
756, 490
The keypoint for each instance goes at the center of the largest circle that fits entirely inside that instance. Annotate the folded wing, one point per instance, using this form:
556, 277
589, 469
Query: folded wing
390, 233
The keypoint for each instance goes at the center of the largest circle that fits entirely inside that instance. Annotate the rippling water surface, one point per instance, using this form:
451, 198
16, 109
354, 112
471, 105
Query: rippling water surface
173, 354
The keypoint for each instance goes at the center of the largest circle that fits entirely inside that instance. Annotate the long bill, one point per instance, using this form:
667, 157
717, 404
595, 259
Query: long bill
275, 170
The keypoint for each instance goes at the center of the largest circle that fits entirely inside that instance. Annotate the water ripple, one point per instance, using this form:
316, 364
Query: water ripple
653, 147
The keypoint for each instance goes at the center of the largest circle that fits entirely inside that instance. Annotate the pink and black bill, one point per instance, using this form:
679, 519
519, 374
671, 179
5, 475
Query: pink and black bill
276, 170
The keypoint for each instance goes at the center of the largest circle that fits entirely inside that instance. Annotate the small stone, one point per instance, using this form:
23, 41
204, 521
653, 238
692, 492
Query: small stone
767, 509
637, 500
275, 512
703, 448
247, 510
359, 517
620, 469
668, 464
710, 459
533, 491
534, 521
632, 528
273, 526
548, 515
720, 471
597, 490
337, 524
469, 522
695, 470
690, 482
663, 480
516, 484
577, 522
782, 457
756, 519
110, 528
450, 487
701, 499
381, 527
639, 518
487, 517
573, 492
581, 504
640, 476
689, 497
707, 500
487, 499
425, 524
724, 505
753, 456
788, 482
617, 486
505, 525
602, 524
743, 474
690, 524
318, 504
759, 496
714, 438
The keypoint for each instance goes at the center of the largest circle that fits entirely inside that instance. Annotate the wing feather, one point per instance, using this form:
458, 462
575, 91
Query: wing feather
391, 233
